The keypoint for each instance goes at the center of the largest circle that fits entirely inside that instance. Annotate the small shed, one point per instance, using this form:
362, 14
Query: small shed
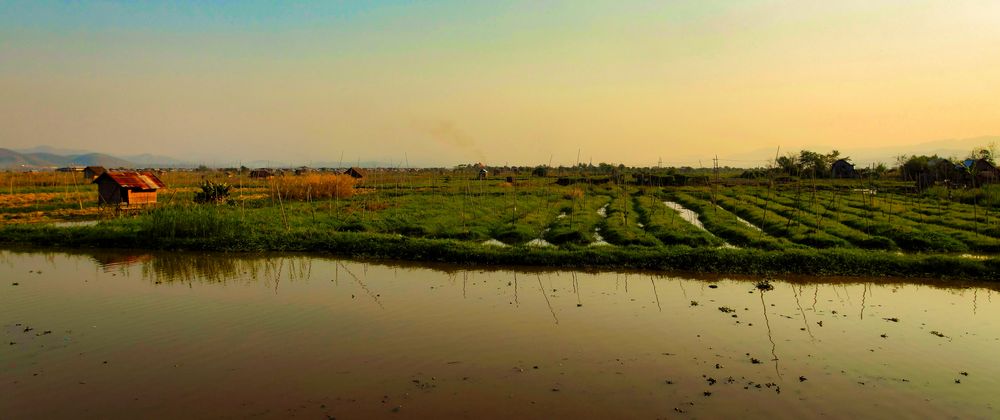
92, 172
127, 188
355, 172
842, 169
261, 173
983, 171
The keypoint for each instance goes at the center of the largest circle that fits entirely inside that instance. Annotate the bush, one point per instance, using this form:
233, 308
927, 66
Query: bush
212, 192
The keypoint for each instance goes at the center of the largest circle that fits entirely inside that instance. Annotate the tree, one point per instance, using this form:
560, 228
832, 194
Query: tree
814, 164
788, 164
880, 169
982, 153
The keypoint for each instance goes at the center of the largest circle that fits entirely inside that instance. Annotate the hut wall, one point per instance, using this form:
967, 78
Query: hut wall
108, 193
141, 197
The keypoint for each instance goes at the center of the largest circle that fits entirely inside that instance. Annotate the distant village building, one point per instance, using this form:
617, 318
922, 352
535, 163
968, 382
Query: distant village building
70, 169
355, 172
981, 170
127, 188
261, 173
483, 173
842, 169
92, 172
303, 170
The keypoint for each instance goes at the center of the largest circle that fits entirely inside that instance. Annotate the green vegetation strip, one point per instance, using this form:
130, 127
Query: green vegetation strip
231, 236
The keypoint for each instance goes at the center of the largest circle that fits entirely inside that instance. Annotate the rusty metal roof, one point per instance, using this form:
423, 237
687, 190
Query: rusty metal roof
133, 179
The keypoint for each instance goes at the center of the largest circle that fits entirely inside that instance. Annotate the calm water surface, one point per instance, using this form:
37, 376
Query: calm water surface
118, 335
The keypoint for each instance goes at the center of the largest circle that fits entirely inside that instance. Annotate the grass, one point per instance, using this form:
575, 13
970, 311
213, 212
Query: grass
846, 262
443, 216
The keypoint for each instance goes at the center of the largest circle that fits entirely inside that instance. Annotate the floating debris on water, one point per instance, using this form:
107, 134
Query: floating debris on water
764, 286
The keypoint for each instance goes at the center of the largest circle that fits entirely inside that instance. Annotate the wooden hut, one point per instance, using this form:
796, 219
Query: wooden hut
127, 188
355, 172
92, 172
842, 169
982, 170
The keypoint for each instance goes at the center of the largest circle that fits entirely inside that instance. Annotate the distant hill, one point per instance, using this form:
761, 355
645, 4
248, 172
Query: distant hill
98, 159
10, 159
48, 156
53, 150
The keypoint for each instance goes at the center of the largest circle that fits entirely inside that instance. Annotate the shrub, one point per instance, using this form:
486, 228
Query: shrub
212, 192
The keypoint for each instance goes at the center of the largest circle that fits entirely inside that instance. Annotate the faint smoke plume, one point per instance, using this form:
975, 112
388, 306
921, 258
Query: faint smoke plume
450, 136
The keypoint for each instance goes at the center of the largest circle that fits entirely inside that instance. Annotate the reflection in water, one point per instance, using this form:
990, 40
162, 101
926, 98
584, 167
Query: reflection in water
547, 302
431, 347
770, 336
576, 289
815, 297
210, 268
110, 262
657, 295
975, 300
805, 321
864, 293
364, 286
516, 301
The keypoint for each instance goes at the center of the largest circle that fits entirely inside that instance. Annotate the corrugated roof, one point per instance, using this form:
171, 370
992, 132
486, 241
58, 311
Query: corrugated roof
133, 179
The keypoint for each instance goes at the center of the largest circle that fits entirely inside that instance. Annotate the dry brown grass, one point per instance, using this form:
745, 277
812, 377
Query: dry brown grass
88, 213
17, 200
11, 180
573, 194
314, 186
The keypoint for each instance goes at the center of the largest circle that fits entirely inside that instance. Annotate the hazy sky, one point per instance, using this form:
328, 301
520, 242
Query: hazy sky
499, 81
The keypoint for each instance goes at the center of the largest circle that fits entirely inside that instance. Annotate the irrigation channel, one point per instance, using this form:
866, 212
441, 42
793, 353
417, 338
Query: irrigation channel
138, 335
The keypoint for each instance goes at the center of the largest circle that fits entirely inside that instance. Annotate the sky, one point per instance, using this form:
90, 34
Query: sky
437, 83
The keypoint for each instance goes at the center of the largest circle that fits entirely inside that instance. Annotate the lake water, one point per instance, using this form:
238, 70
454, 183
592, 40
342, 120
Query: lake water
144, 335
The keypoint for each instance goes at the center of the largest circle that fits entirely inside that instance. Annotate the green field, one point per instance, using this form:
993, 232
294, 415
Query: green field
848, 227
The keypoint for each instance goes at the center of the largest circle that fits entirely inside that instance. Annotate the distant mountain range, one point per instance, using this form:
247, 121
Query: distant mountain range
47, 157
10, 159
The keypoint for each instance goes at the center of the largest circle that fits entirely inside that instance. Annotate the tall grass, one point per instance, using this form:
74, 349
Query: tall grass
192, 222
314, 186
